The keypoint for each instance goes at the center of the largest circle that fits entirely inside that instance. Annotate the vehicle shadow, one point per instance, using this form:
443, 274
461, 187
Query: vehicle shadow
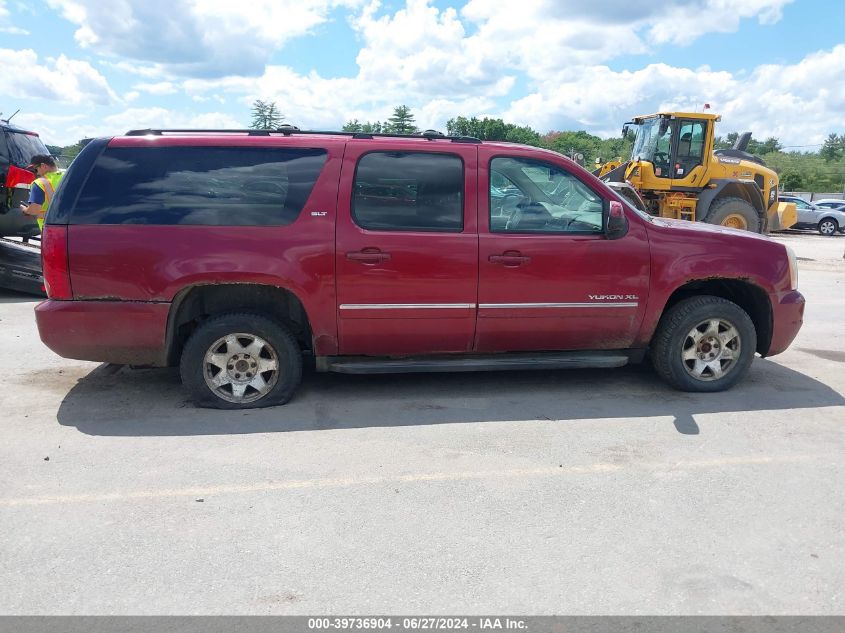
119, 401
13, 296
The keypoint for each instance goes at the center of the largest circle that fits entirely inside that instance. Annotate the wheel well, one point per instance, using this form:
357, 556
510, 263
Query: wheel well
746, 295
747, 191
193, 305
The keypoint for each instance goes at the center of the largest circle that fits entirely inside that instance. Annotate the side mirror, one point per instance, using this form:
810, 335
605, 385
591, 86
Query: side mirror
616, 225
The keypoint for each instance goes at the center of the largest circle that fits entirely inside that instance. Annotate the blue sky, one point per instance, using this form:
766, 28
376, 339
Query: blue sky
80, 68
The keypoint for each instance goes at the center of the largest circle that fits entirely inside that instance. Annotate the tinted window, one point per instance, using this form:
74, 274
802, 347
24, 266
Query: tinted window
221, 186
409, 191
528, 196
22, 147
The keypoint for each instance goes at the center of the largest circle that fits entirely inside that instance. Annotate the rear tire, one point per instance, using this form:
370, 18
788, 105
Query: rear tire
241, 361
704, 344
733, 212
828, 226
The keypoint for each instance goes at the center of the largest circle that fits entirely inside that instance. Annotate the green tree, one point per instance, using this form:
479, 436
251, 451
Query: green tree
265, 115
792, 181
366, 128
832, 148
572, 144
488, 129
770, 145
401, 122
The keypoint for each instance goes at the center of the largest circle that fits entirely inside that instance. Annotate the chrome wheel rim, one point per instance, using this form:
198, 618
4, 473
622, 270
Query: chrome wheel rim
711, 349
827, 228
241, 368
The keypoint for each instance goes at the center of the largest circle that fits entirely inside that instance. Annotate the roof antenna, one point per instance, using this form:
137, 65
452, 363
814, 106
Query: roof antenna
13, 115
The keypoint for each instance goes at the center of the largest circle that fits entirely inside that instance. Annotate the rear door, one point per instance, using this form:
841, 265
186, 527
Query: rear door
549, 279
407, 248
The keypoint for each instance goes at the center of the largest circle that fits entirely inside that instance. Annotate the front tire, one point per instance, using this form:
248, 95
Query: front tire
704, 344
241, 361
828, 226
735, 213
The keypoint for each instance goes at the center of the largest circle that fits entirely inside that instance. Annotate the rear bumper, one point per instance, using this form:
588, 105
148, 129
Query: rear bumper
120, 332
787, 318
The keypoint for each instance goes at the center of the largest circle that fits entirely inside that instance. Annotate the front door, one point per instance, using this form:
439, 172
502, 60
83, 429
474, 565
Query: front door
407, 248
549, 279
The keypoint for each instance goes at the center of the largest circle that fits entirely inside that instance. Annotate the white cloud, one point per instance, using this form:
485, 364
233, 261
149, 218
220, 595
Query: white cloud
159, 88
202, 38
8, 29
52, 128
68, 129
66, 80
799, 103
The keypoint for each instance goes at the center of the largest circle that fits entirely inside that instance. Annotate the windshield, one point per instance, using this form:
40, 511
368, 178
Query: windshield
22, 147
653, 144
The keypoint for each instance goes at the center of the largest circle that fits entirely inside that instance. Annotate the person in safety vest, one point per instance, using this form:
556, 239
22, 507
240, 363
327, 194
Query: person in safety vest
43, 187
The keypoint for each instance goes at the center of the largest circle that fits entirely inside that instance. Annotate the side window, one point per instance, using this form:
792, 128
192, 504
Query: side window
663, 153
528, 196
4, 151
217, 186
690, 147
409, 191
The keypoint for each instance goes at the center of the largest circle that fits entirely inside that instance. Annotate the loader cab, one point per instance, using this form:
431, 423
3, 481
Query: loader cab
672, 150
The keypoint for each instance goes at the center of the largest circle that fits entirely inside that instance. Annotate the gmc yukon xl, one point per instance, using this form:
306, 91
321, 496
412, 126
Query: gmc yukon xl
237, 254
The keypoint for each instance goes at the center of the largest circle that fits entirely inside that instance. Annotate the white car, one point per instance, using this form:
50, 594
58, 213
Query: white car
826, 221
830, 203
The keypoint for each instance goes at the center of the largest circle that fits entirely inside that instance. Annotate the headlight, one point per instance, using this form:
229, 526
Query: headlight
772, 193
793, 268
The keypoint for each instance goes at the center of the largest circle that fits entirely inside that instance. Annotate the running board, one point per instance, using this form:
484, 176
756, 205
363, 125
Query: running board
472, 362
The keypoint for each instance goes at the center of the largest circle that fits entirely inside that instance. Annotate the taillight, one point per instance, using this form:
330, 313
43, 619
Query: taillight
54, 262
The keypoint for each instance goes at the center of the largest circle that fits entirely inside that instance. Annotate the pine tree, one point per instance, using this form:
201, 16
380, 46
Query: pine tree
259, 115
402, 121
274, 117
832, 148
265, 115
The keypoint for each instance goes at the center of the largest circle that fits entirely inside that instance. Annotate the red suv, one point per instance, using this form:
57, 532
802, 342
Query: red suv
235, 254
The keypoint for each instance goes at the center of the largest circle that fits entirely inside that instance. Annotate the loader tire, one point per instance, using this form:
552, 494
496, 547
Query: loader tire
735, 213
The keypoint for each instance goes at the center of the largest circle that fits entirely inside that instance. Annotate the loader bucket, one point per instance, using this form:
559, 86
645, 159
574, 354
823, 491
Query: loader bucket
785, 215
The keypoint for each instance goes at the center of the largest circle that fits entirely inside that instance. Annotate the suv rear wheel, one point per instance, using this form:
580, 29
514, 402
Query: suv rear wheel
241, 361
704, 344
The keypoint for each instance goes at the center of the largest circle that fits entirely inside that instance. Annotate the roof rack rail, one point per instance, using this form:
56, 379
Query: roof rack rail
288, 130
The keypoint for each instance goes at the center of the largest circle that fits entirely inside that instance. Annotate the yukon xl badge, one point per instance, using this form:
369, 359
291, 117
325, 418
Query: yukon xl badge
613, 297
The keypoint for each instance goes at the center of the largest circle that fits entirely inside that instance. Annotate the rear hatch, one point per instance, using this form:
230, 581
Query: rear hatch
17, 147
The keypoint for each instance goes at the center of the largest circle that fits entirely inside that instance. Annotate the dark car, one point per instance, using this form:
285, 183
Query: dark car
17, 147
20, 267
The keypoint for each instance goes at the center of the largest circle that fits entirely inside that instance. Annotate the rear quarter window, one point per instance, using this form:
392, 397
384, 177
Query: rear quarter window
216, 186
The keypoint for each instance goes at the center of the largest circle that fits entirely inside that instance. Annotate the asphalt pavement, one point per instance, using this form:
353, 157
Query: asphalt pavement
556, 492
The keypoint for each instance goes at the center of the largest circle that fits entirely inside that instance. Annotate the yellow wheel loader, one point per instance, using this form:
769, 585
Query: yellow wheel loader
674, 172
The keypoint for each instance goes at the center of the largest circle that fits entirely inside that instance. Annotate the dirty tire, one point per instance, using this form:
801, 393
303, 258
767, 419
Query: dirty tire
828, 226
278, 347
673, 334
727, 211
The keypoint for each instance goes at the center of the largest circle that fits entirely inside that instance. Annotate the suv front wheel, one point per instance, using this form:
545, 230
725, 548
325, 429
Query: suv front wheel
241, 361
704, 344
